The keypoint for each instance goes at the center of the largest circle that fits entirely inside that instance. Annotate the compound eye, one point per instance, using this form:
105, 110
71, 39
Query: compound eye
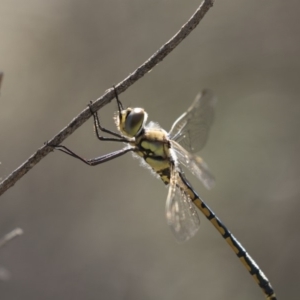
134, 121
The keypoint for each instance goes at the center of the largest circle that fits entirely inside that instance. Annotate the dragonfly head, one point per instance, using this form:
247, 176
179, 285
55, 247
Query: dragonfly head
131, 121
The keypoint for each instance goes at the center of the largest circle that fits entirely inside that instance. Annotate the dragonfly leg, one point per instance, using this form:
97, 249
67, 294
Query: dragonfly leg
120, 106
97, 160
98, 127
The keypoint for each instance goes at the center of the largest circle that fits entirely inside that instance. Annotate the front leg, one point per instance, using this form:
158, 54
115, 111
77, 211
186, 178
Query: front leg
98, 127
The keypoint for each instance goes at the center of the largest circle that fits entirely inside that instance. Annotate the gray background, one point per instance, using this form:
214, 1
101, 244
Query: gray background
100, 233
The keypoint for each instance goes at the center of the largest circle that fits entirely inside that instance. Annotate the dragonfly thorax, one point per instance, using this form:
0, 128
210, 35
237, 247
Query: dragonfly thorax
131, 121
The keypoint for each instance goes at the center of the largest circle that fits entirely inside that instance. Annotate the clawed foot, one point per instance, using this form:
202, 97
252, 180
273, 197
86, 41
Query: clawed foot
56, 147
60, 148
47, 144
90, 107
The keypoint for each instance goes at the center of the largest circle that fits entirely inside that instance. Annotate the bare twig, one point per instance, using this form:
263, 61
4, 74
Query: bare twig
5, 274
158, 56
10, 236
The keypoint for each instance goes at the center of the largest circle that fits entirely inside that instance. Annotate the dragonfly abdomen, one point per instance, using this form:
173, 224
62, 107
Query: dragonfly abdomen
238, 249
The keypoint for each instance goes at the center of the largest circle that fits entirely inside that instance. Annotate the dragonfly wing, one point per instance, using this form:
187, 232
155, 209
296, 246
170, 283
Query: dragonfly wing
194, 164
191, 128
181, 213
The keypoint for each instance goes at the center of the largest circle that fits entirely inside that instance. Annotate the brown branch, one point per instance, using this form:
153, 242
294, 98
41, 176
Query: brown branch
10, 236
4, 274
158, 56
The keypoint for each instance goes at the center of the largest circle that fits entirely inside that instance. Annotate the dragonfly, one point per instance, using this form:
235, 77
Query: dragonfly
165, 153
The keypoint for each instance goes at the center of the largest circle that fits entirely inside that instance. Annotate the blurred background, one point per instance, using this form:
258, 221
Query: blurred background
100, 233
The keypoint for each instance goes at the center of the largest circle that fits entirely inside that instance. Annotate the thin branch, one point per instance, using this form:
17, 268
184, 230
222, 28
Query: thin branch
10, 236
157, 57
5, 274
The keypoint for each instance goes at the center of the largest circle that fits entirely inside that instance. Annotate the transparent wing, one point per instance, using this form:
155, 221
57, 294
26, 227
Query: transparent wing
181, 213
191, 128
194, 164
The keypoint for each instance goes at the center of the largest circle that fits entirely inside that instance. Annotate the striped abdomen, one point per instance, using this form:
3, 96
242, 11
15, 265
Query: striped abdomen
238, 249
